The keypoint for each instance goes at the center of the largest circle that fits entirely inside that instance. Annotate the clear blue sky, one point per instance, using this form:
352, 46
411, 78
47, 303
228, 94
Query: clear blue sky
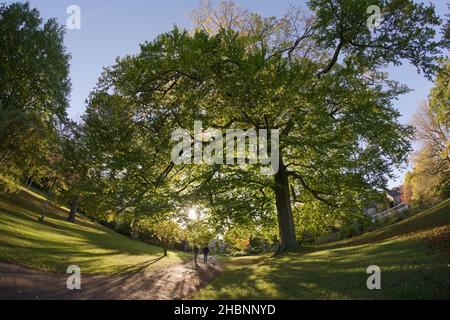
112, 28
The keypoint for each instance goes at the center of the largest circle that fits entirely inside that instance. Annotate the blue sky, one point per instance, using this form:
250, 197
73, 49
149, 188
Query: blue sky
113, 28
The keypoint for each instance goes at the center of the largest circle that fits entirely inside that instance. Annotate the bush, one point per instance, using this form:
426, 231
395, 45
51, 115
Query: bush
356, 228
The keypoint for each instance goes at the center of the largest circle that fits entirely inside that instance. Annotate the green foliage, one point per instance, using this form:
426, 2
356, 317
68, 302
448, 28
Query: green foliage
33, 63
126, 169
74, 167
238, 239
446, 28
338, 270
340, 133
26, 145
355, 227
199, 233
406, 26
34, 86
57, 243
440, 95
168, 232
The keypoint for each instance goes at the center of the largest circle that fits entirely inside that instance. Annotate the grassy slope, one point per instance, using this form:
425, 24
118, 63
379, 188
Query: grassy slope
414, 257
55, 245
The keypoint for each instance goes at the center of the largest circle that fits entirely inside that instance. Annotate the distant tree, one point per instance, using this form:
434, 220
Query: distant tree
168, 232
407, 192
432, 122
26, 142
52, 180
227, 15
238, 239
199, 233
425, 184
429, 181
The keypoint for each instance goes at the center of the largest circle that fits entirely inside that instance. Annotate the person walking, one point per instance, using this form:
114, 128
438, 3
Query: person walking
205, 253
196, 252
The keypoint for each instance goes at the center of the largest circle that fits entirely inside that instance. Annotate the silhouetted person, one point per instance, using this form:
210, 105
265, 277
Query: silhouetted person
205, 254
196, 252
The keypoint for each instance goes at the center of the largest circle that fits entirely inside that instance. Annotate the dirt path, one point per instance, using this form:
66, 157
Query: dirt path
176, 282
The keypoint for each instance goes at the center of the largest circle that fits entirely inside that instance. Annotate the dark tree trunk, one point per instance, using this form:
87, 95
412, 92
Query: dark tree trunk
73, 208
288, 240
165, 251
49, 200
44, 210
134, 229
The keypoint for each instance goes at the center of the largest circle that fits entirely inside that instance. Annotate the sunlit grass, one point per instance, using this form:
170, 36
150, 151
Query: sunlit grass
410, 268
57, 243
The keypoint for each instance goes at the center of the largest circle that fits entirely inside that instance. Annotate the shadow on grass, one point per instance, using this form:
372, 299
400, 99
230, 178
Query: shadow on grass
33, 207
409, 271
140, 267
57, 243
431, 218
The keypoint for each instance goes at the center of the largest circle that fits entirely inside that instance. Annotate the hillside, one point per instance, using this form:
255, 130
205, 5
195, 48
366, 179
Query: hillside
57, 243
414, 257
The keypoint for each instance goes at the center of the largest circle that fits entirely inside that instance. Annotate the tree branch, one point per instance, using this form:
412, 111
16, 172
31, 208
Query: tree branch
333, 60
316, 194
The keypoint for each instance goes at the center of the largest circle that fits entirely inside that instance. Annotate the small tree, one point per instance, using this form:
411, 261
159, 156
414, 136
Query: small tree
168, 232
199, 233
238, 239
73, 166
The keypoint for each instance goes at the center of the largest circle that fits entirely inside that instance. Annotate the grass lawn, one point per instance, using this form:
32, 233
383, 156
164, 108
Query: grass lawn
414, 257
57, 243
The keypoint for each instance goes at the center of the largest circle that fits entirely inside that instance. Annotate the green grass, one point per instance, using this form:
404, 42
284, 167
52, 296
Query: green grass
413, 256
57, 243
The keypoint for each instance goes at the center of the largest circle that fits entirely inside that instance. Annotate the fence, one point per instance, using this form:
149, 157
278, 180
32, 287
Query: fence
390, 212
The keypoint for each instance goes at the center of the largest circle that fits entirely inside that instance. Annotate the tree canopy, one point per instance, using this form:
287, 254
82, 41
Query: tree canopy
319, 80
34, 88
310, 89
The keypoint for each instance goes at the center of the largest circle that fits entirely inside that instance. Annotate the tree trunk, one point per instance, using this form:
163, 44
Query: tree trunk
44, 210
73, 208
288, 240
49, 200
165, 251
134, 230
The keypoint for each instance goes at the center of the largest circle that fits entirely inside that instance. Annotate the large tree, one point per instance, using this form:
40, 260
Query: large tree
34, 86
319, 80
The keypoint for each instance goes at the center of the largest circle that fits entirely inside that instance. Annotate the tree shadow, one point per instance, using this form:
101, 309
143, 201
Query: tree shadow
408, 271
132, 269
